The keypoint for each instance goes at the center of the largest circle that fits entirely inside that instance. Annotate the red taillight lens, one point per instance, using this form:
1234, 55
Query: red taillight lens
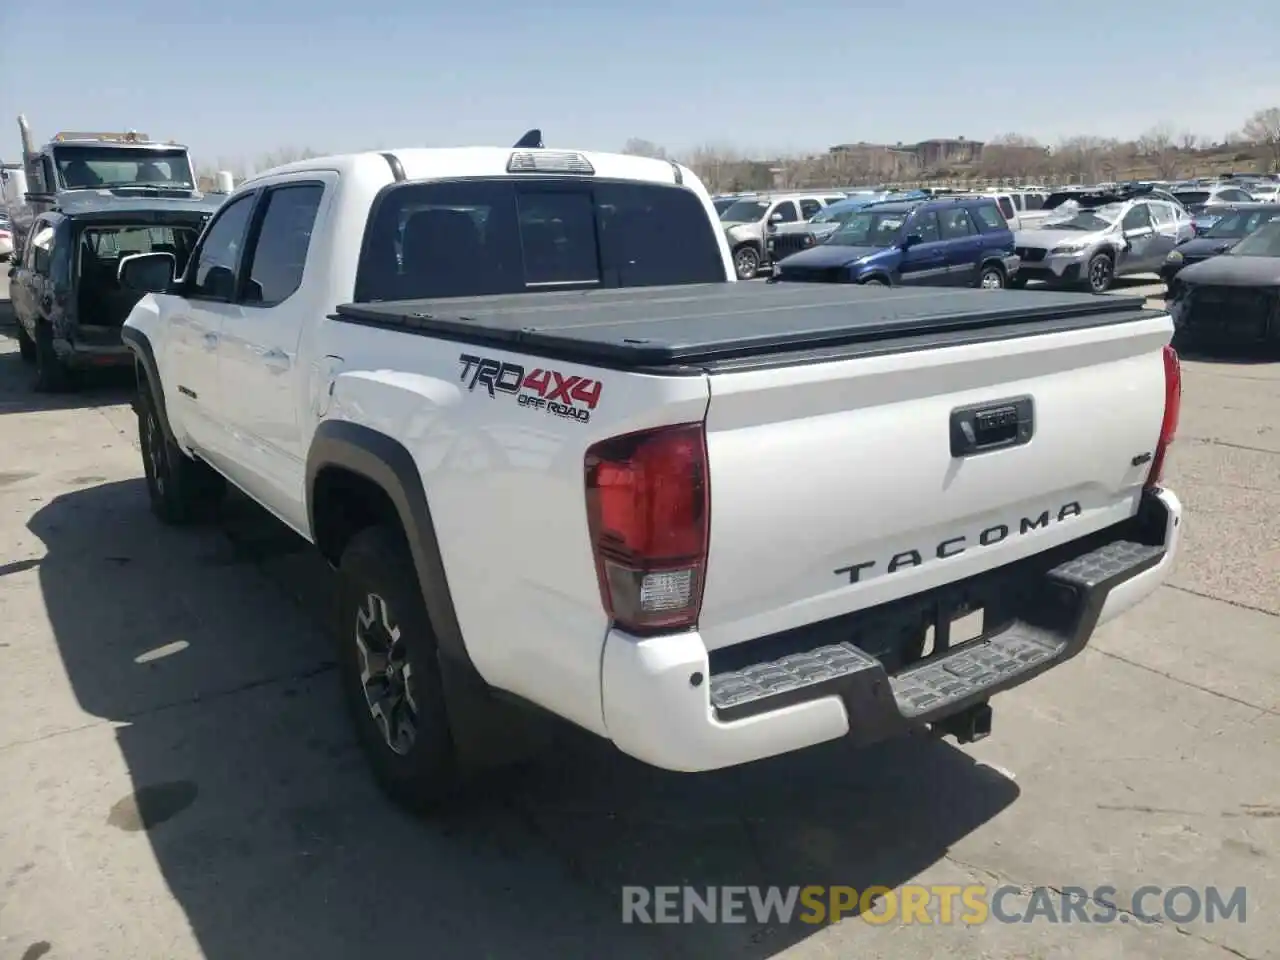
648, 509
1172, 410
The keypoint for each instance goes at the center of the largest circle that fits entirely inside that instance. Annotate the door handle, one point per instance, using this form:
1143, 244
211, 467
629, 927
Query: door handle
276, 360
211, 341
992, 426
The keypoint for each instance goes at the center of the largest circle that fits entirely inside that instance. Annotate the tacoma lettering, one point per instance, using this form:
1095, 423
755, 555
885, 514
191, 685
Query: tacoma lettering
954, 546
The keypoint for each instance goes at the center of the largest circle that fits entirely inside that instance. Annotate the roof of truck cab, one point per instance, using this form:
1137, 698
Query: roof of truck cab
704, 323
425, 163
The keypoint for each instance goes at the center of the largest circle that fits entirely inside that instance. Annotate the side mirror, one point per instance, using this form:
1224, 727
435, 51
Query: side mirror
775, 218
219, 283
147, 272
912, 240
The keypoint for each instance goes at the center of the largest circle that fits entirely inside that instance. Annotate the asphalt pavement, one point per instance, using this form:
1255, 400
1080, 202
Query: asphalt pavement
179, 780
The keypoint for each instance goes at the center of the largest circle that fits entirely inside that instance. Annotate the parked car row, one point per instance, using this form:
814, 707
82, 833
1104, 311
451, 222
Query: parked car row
968, 240
1075, 238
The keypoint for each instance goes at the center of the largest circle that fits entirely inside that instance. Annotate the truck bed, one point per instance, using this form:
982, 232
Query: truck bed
665, 327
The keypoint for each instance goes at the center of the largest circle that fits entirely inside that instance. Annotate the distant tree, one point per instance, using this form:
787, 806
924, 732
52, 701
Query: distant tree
637, 147
1158, 147
1012, 155
1263, 130
1189, 141
1081, 158
278, 158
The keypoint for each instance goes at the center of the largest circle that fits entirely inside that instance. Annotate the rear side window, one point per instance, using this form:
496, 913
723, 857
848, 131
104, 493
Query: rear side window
809, 209
284, 236
1006, 207
471, 238
990, 217
956, 224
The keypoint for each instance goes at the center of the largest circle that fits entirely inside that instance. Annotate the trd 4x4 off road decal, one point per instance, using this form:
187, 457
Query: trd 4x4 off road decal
538, 389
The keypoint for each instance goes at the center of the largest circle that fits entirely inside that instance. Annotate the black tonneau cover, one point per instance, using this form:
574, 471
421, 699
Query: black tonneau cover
708, 323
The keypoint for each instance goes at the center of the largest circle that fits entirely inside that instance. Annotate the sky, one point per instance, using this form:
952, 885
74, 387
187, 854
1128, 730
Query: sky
237, 79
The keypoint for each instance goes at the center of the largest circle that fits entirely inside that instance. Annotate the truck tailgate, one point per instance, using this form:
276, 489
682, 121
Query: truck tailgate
835, 485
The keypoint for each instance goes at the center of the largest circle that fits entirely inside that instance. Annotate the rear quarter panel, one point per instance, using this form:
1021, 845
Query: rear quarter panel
504, 482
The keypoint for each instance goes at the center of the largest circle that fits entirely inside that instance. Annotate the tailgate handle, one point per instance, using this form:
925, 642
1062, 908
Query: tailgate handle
992, 426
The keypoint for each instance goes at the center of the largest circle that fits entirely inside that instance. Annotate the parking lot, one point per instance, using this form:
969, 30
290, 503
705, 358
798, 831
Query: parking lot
180, 781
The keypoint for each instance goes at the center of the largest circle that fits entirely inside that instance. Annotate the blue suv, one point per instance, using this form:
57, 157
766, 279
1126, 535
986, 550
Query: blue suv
953, 242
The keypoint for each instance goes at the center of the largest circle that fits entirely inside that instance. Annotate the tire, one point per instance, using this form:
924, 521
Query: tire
746, 262
874, 282
1100, 273
26, 346
380, 607
52, 375
992, 278
181, 490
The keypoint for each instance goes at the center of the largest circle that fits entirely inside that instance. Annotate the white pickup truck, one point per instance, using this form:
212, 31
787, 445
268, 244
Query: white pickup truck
560, 459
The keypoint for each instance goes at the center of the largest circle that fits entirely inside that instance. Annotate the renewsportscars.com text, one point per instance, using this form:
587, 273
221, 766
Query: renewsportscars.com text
931, 904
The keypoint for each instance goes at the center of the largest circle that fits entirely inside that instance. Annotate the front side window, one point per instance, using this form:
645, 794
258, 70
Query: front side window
785, 212
926, 225
1138, 218
219, 254
487, 237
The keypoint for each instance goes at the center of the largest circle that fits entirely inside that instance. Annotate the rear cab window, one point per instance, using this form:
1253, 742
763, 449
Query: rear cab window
470, 238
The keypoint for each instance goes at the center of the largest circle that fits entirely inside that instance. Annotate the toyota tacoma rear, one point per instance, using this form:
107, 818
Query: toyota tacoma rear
560, 458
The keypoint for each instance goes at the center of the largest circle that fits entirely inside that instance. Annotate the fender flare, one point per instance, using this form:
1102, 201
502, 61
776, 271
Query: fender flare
386, 463
144, 356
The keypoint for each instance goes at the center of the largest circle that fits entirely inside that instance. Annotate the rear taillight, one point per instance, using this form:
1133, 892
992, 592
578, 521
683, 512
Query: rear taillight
1172, 409
648, 511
